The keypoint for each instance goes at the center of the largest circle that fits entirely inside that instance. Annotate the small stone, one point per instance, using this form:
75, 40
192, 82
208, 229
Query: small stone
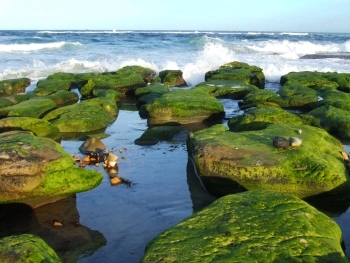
345, 156
120, 150
111, 160
76, 159
97, 164
294, 141
299, 131
115, 181
280, 142
81, 164
86, 159
57, 224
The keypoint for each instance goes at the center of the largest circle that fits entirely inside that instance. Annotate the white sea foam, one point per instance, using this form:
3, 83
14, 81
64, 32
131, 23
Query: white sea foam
293, 50
294, 34
33, 47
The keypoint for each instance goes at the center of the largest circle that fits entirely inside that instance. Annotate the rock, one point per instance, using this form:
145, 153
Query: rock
34, 168
334, 120
185, 106
39, 127
64, 98
294, 141
172, 78
46, 87
115, 181
92, 145
255, 226
280, 142
26, 248
87, 116
111, 160
261, 98
34, 108
10, 87
228, 162
259, 118
241, 73
227, 89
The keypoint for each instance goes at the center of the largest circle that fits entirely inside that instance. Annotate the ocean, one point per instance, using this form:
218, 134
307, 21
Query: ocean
116, 222
37, 54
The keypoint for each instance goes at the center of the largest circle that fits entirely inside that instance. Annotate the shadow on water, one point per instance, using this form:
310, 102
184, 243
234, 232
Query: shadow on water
71, 240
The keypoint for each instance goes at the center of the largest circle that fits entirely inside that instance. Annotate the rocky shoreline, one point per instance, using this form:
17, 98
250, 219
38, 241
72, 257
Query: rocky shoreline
242, 157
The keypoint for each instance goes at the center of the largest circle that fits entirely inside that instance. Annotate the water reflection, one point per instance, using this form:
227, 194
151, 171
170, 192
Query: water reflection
68, 238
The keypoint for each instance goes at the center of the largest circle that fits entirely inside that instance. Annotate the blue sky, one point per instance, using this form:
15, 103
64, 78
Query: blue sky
258, 15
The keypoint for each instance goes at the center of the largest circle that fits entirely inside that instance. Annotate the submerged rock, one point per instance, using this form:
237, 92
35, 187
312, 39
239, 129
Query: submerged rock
26, 248
256, 226
160, 133
229, 161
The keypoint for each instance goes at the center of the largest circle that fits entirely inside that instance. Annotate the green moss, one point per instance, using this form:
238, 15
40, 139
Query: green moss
34, 108
26, 248
63, 97
257, 119
10, 87
242, 73
249, 159
184, 106
48, 86
39, 127
298, 96
90, 115
157, 88
172, 78
334, 120
5, 103
256, 226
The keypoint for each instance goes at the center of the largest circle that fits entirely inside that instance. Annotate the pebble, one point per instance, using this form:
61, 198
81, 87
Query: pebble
294, 141
299, 131
115, 181
280, 142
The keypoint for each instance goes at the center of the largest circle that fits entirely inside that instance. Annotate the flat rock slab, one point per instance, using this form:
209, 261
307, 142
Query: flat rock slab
255, 226
228, 160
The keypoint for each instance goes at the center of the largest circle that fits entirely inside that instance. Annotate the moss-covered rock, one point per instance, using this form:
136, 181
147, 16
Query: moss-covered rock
185, 106
227, 161
227, 89
5, 103
256, 226
33, 167
26, 248
10, 87
46, 87
320, 81
238, 72
15, 99
298, 96
34, 108
257, 119
64, 98
160, 133
261, 98
86, 116
39, 127
334, 120
150, 93
172, 78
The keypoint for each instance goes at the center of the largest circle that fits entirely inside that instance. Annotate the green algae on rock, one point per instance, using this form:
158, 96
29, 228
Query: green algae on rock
10, 87
239, 73
64, 98
259, 118
86, 116
26, 248
34, 168
172, 78
34, 108
227, 161
185, 106
39, 127
255, 226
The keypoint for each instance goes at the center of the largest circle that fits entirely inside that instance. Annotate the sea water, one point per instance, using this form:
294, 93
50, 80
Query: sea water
163, 191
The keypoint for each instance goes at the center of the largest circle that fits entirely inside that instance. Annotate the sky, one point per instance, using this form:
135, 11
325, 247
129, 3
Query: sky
225, 15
